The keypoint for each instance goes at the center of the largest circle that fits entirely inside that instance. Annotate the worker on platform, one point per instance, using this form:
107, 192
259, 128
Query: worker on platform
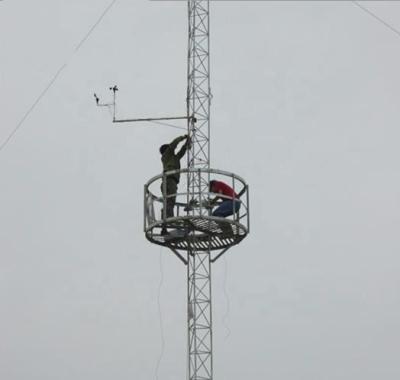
171, 161
230, 200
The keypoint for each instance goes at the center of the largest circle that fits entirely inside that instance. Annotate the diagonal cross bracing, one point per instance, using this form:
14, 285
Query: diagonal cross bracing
199, 265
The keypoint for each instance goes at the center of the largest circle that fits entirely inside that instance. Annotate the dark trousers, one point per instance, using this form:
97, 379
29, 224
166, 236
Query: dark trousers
227, 208
171, 189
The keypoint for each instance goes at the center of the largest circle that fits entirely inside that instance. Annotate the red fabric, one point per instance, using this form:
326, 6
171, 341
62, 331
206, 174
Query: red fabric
222, 188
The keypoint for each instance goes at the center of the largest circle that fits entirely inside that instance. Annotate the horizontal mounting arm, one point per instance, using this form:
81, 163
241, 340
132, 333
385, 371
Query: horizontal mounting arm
154, 119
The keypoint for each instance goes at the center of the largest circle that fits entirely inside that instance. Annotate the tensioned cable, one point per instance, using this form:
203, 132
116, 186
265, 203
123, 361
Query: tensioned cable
43, 93
160, 316
32, 106
168, 125
392, 28
94, 25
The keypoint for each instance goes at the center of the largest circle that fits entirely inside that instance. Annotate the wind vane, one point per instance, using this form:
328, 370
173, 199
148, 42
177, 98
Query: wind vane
112, 104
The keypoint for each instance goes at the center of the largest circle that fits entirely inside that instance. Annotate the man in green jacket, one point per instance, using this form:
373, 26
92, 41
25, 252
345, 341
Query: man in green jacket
171, 161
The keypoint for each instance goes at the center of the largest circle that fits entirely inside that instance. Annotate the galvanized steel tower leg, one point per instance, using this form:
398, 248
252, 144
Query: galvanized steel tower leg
200, 358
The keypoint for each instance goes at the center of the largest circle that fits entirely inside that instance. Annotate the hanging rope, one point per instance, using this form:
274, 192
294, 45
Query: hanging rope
160, 315
225, 317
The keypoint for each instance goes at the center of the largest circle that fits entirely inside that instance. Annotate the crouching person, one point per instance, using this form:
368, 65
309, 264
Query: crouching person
230, 200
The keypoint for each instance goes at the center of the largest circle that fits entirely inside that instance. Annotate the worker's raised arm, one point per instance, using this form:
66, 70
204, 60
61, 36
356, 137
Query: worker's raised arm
184, 148
176, 141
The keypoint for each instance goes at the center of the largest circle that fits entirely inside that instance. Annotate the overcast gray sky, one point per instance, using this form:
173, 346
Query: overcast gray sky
305, 108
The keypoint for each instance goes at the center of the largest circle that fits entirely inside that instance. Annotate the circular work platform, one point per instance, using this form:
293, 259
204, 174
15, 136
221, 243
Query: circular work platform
200, 233
193, 226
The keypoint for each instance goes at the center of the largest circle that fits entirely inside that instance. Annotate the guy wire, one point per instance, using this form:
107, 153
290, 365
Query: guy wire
52, 81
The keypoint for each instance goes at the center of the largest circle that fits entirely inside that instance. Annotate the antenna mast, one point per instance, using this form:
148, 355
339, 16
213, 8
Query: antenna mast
200, 353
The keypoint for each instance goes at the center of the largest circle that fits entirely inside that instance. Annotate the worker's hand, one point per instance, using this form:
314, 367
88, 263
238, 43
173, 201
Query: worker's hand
193, 203
207, 203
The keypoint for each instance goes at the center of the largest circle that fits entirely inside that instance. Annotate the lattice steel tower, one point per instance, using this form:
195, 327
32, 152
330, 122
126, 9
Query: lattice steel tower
196, 236
200, 358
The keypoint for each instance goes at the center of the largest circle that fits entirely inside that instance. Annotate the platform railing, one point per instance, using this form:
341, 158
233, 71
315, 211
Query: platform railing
155, 203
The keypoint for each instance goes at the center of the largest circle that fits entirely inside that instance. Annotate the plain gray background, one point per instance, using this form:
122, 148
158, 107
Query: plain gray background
305, 108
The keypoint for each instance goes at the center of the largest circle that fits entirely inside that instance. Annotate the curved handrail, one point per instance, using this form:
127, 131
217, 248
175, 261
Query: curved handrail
153, 197
186, 170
